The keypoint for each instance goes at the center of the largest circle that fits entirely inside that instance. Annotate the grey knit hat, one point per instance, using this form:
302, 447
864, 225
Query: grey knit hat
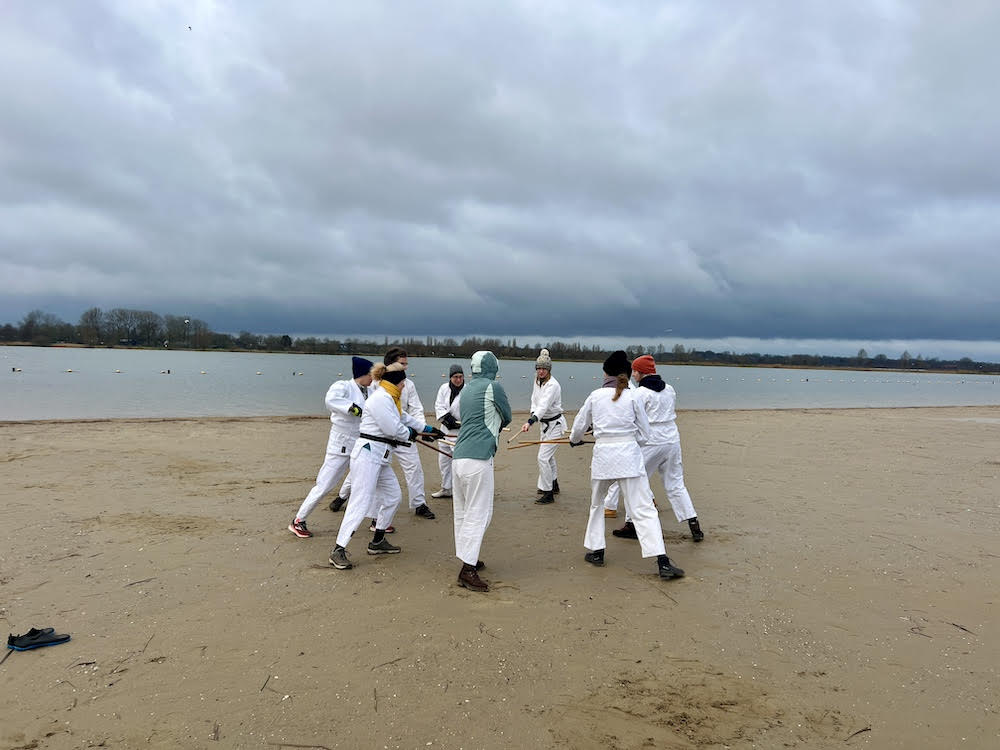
455, 369
544, 360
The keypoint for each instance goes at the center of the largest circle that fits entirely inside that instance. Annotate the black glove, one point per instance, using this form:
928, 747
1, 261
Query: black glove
449, 421
432, 433
413, 433
573, 445
354, 410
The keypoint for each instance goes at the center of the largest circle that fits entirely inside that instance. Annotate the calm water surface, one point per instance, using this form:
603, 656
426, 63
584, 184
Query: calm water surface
102, 383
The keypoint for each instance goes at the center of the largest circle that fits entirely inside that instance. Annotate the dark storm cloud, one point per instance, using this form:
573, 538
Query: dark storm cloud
803, 171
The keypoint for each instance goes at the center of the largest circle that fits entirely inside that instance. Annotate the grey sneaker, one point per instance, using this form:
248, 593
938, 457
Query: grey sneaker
443, 492
383, 548
338, 559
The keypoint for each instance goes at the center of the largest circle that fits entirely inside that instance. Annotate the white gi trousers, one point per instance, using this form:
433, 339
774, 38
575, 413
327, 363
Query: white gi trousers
335, 466
473, 503
444, 463
638, 505
375, 492
665, 459
547, 469
413, 472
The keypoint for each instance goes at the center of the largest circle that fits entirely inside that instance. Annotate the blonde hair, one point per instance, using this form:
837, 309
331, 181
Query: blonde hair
620, 386
378, 370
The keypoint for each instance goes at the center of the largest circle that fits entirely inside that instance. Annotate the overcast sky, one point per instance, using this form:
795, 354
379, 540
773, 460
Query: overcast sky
664, 171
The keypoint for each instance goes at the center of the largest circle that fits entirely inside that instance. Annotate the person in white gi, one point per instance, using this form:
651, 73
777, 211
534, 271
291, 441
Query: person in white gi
663, 451
409, 460
619, 423
546, 407
448, 411
345, 399
384, 427
486, 411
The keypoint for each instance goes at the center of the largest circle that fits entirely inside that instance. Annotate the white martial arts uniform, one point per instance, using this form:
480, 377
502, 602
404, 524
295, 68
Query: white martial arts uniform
409, 460
344, 428
663, 451
618, 426
444, 404
375, 489
546, 406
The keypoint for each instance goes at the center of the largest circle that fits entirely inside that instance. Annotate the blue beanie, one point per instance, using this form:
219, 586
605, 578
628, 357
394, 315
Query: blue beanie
360, 366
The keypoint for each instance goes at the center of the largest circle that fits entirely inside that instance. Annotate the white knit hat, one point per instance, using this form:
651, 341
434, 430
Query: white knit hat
544, 360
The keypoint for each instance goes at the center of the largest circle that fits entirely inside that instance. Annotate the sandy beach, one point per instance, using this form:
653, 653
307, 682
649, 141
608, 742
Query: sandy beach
846, 595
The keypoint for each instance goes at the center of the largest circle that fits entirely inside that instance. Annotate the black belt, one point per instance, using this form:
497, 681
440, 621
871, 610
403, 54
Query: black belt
386, 440
551, 419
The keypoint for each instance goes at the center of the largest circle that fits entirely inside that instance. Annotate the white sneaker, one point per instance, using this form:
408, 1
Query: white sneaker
441, 493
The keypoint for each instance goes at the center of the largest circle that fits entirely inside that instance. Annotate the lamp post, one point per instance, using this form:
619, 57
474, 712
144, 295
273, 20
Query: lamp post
187, 337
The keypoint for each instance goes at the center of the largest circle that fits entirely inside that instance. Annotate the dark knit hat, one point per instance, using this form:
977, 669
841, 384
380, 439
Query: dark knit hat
644, 365
455, 370
360, 366
617, 364
394, 373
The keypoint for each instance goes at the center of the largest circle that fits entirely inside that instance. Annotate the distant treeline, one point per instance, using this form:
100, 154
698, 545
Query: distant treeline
122, 327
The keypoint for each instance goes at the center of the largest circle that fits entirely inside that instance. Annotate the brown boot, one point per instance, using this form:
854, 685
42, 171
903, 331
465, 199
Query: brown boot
626, 532
469, 578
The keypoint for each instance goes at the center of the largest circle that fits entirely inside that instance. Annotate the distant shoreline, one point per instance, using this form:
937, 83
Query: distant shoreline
378, 353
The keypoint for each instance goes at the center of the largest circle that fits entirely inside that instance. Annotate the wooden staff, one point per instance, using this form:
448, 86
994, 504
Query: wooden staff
549, 442
425, 444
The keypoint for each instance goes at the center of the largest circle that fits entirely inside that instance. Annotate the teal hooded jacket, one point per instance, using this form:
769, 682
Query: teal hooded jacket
485, 410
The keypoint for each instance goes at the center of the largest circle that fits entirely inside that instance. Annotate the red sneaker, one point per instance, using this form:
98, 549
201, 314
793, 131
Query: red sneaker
298, 527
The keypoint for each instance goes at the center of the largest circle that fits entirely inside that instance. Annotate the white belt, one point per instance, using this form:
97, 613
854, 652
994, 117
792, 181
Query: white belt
616, 439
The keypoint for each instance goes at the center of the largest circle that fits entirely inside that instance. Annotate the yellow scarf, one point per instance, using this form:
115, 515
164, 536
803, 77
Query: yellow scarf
394, 391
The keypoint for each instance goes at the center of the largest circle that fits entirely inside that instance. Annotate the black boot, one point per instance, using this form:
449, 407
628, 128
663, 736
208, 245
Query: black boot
555, 486
545, 498
595, 558
337, 503
667, 569
626, 532
696, 532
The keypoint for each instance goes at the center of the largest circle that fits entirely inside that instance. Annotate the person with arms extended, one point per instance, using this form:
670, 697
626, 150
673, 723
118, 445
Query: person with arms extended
663, 451
409, 460
485, 411
345, 400
448, 411
546, 407
375, 490
619, 424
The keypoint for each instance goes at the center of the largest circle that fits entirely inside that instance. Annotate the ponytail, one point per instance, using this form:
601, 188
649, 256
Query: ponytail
620, 386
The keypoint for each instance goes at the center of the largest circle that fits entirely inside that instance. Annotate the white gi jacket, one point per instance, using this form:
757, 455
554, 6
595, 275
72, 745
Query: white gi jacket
410, 401
344, 427
546, 401
619, 426
659, 408
381, 419
442, 407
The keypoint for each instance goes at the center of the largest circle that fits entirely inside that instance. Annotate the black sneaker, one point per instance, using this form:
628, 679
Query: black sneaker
338, 559
555, 486
424, 512
667, 569
595, 558
337, 503
696, 532
383, 548
545, 499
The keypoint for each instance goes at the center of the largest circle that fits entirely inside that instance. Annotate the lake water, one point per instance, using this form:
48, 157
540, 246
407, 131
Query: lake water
55, 383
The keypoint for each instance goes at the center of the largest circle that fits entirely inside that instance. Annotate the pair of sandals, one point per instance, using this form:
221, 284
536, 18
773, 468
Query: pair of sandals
35, 638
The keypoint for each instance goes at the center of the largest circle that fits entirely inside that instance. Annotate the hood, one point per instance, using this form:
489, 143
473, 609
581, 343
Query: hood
485, 365
654, 382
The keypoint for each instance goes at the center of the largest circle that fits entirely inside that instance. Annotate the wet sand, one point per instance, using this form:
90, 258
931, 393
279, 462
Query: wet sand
845, 595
